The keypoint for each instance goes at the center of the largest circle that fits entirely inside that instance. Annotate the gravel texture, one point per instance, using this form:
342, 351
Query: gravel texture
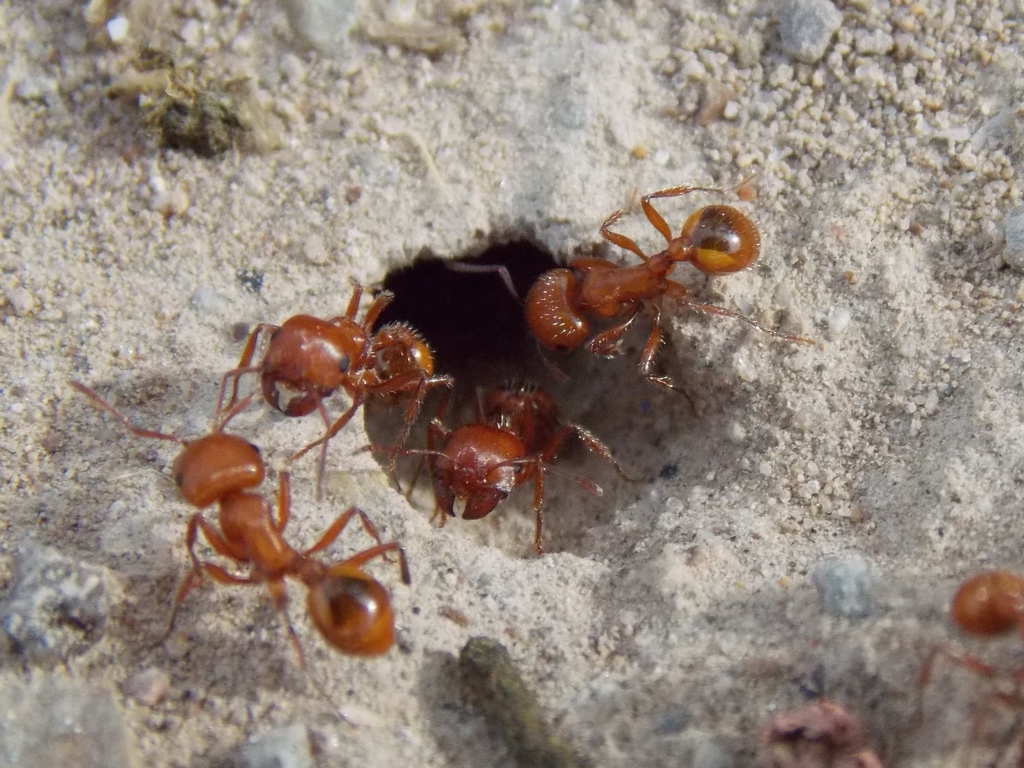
671, 616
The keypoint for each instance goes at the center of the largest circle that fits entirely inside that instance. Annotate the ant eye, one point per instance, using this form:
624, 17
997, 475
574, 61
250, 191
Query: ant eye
179, 478
343, 363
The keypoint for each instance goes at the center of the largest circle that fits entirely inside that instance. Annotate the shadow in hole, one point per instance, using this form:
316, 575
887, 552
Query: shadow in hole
462, 737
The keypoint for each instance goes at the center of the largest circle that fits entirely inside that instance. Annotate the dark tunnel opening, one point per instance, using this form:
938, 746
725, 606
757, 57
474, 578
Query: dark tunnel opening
474, 324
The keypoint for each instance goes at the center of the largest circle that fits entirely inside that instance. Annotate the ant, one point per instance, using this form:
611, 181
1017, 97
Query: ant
514, 443
716, 239
349, 608
531, 414
307, 359
988, 604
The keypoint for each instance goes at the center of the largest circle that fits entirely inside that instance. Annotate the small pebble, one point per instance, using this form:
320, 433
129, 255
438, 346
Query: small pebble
36, 88
22, 301
172, 202
286, 747
845, 586
148, 687
206, 300
1013, 226
806, 28
315, 250
191, 32
838, 321
117, 29
324, 24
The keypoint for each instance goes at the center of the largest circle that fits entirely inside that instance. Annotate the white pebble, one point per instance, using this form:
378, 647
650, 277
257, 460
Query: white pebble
171, 203
191, 32
315, 250
22, 301
117, 29
838, 321
148, 687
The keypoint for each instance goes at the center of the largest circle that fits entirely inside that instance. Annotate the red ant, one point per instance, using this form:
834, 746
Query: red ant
716, 239
517, 439
307, 359
350, 608
530, 413
986, 605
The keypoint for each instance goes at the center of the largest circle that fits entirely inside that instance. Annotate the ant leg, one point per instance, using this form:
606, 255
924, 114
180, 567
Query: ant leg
656, 219
415, 477
236, 409
332, 430
354, 300
192, 580
236, 374
102, 404
361, 558
244, 362
284, 501
335, 529
620, 240
279, 594
323, 440
605, 344
538, 509
413, 411
680, 294
595, 445
478, 269
380, 303
956, 657
648, 356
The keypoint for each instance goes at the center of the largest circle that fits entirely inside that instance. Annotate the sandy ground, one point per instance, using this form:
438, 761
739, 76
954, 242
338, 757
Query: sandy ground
671, 616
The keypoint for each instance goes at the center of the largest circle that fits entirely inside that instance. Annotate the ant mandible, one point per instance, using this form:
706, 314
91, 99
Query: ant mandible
518, 436
716, 239
988, 604
307, 359
348, 607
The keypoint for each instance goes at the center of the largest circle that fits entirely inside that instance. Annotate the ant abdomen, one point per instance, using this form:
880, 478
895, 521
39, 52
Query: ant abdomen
210, 468
990, 603
722, 238
352, 611
551, 312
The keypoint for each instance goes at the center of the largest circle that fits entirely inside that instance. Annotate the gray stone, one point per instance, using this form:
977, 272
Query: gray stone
59, 722
806, 28
286, 747
845, 586
58, 607
1013, 228
323, 24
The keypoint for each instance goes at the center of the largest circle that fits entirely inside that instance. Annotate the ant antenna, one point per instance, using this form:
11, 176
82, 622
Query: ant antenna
479, 269
103, 405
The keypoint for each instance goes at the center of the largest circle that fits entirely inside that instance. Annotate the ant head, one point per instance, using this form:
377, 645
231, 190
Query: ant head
720, 240
990, 603
309, 353
352, 611
210, 468
398, 344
